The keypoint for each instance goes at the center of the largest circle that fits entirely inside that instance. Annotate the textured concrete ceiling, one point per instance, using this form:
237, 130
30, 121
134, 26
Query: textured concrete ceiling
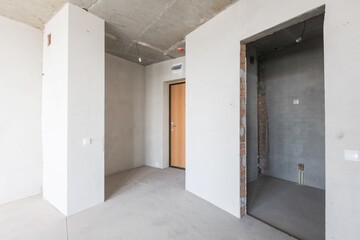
307, 30
156, 27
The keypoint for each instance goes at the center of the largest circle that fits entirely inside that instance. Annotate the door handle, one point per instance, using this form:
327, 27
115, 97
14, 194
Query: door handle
172, 126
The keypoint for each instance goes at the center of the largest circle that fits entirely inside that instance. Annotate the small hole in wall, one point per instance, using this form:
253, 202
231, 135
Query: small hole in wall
49, 39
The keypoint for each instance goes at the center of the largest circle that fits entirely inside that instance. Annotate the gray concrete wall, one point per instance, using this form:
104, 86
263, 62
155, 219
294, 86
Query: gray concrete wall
251, 115
124, 114
296, 133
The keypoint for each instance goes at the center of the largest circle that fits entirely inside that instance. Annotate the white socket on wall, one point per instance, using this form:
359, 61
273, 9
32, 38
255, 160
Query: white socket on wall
352, 155
87, 141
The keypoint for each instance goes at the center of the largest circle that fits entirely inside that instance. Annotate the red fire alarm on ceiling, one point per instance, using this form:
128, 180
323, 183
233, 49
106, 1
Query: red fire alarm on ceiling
180, 49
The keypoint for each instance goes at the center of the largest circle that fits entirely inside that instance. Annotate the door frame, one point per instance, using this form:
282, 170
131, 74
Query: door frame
169, 122
243, 94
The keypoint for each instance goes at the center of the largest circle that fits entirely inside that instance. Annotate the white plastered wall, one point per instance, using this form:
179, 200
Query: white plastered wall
86, 110
20, 106
124, 114
157, 79
55, 110
342, 117
213, 92
73, 110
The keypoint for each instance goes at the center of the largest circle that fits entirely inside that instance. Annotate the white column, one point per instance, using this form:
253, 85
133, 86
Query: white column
73, 110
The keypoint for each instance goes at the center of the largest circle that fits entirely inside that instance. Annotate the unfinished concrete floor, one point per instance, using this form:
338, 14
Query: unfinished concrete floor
144, 203
297, 210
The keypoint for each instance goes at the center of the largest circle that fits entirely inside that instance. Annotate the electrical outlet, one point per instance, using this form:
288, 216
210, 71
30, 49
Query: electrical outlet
87, 141
296, 101
352, 155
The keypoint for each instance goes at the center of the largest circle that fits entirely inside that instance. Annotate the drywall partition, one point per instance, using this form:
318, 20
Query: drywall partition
54, 111
157, 79
20, 105
342, 117
296, 132
213, 95
73, 110
124, 114
86, 110
213, 80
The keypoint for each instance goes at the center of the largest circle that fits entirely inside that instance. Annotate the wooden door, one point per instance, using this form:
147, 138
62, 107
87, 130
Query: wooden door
177, 125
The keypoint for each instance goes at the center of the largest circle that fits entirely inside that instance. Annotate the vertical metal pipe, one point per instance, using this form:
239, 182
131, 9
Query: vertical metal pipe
301, 168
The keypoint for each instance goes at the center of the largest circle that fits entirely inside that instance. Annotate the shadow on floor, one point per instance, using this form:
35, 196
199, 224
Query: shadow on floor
116, 183
120, 182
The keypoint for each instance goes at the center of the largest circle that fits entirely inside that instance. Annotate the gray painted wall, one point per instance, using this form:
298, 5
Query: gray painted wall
124, 114
296, 133
251, 115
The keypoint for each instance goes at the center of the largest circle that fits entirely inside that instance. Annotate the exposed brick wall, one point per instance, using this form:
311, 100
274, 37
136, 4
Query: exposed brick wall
243, 130
262, 122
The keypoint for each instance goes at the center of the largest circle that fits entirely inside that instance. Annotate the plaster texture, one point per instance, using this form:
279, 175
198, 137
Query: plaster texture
142, 204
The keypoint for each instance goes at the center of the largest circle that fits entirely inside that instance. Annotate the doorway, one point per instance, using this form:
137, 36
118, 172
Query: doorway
177, 125
284, 141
